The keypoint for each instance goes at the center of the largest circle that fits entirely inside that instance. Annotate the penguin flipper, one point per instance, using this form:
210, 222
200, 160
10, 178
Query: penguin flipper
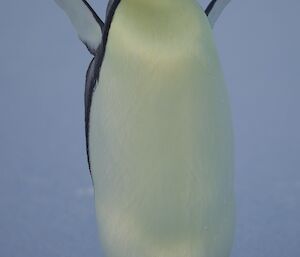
86, 22
214, 10
90, 81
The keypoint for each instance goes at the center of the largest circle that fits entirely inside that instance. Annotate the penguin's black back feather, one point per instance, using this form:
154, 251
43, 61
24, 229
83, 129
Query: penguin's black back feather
96, 17
210, 7
93, 72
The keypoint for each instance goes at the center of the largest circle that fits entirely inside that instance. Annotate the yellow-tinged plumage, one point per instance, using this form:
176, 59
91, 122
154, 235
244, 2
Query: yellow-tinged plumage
160, 136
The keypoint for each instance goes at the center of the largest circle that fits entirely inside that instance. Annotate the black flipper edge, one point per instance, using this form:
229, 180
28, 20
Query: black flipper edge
214, 10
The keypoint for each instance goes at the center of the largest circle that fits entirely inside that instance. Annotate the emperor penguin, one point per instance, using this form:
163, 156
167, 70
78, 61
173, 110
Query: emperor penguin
158, 128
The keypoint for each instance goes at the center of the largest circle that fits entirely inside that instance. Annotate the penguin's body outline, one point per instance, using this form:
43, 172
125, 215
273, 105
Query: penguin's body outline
138, 214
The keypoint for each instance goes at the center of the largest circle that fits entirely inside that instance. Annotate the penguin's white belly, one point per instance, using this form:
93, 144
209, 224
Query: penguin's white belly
161, 148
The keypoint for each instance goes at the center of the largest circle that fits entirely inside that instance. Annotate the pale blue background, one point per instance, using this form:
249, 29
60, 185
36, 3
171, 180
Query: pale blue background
46, 203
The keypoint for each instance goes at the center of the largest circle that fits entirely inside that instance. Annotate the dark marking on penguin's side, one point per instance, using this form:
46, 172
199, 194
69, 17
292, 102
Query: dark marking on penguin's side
93, 71
89, 81
109, 5
210, 7
99, 21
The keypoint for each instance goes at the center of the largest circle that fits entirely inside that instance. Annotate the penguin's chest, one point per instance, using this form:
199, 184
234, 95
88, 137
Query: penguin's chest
159, 135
